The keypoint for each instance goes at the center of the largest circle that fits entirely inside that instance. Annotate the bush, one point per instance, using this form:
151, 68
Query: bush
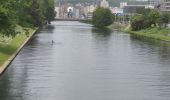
102, 17
149, 18
163, 19
7, 26
137, 22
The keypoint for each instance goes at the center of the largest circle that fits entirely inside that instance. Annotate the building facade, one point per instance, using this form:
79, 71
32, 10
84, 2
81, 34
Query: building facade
123, 4
154, 2
165, 6
104, 4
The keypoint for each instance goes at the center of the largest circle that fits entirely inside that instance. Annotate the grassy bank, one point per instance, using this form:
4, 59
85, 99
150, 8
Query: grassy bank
117, 26
154, 33
9, 45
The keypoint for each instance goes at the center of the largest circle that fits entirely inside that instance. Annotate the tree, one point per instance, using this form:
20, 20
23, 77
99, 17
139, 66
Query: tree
137, 22
102, 17
143, 11
164, 19
26, 13
7, 22
152, 17
49, 11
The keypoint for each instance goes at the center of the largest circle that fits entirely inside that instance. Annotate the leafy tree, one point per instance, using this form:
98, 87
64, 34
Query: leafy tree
102, 17
143, 11
7, 24
153, 17
49, 11
164, 19
25, 13
147, 17
137, 22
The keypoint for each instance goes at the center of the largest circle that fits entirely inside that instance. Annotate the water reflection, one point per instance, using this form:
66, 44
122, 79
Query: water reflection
104, 32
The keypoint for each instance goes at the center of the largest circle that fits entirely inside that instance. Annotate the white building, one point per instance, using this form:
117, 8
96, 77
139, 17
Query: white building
89, 9
154, 2
57, 10
104, 4
123, 4
165, 5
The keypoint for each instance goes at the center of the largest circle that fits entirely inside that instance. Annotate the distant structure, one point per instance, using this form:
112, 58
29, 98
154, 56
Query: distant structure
57, 10
66, 10
154, 2
165, 5
88, 10
104, 4
123, 4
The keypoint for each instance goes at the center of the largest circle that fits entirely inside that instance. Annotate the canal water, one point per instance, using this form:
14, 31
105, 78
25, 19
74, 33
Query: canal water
85, 63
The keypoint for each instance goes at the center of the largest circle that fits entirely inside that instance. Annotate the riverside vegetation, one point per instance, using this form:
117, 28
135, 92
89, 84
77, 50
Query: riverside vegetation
18, 19
150, 23
146, 22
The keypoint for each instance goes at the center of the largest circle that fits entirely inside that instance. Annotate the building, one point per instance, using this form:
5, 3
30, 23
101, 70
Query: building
57, 10
104, 4
154, 2
90, 16
123, 4
165, 5
88, 10
130, 9
117, 10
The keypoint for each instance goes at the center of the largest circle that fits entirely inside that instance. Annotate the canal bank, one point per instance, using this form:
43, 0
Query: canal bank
162, 34
156, 33
11, 49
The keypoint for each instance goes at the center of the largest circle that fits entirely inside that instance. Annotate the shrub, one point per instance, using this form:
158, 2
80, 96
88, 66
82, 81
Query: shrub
102, 17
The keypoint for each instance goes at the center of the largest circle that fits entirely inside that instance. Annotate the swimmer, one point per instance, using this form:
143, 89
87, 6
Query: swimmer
52, 41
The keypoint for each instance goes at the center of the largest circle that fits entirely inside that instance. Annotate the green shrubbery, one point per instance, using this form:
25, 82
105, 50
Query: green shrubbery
25, 13
102, 17
147, 18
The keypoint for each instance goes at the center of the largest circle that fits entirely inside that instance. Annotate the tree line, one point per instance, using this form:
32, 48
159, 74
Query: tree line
145, 18
26, 13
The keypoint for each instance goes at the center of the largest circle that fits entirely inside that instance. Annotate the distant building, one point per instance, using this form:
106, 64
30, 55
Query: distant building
130, 9
57, 10
88, 10
165, 5
154, 2
90, 15
117, 10
104, 4
123, 4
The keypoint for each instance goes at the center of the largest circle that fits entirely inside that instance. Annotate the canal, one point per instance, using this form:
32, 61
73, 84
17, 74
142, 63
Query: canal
85, 63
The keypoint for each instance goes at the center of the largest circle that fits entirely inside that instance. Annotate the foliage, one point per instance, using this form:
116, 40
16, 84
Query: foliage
153, 17
153, 32
49, 11
137, 22
148, 18
7, 25
26, 13
102, 17
142, 11
11, 45
163, 19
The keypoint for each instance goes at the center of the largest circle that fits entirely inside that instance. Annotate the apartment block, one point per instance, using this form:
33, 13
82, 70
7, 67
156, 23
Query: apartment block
165, 6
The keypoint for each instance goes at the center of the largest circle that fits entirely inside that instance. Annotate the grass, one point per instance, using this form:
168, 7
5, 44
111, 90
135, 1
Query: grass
154, 32
10, 45
117, 26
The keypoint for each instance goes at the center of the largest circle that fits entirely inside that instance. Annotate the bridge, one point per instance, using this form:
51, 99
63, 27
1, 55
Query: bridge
70, 19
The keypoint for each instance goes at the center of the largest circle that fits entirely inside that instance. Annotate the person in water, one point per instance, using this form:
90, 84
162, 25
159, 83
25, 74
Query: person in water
52, 41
